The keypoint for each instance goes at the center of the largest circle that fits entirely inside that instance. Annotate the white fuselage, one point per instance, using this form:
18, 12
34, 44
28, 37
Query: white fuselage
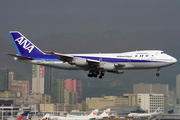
147, 59
139, 115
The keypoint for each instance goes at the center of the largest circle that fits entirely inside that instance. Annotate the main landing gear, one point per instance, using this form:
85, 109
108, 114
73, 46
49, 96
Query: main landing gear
95, 74
157, 74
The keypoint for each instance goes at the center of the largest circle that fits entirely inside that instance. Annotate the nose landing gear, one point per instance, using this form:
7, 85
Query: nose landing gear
157, 74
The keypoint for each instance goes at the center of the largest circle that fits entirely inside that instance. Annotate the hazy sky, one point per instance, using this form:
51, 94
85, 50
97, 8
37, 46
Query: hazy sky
37, 18
137, 24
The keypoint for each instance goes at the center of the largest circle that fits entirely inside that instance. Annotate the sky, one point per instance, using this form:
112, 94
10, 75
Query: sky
72, 26
45, 17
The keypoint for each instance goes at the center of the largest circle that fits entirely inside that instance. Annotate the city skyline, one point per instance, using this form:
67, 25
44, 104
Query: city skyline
146, 88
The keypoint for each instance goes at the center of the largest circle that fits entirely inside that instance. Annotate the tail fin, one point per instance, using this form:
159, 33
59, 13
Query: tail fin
156, 111
24, 46
93, 113
45, 117
105, 113
22, 115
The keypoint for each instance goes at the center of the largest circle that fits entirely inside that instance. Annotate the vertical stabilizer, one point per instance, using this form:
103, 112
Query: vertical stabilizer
46, 117
24, 46
156, 111
105, 113
93, 113
23, 115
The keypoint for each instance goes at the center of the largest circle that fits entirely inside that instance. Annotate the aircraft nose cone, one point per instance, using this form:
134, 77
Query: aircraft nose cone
174, 60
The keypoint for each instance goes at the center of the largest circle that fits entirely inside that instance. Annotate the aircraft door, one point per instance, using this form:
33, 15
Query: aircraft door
129, 59
152, 58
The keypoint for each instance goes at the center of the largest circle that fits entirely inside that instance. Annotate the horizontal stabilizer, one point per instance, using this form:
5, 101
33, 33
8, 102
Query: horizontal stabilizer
19, 57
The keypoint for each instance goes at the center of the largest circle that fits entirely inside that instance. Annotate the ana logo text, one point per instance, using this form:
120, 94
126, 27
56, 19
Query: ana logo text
26, 45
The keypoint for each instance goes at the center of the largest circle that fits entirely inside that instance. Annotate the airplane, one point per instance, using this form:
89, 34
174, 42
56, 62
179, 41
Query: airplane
46, 117
144, 114
23, 115
91, 116
105, 114
97, 64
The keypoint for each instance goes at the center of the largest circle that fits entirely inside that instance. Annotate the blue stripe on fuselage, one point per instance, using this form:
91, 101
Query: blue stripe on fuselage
114, 60
46, 57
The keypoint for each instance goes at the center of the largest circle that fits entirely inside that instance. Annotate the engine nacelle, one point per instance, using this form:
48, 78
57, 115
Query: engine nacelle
80, 62
108, 66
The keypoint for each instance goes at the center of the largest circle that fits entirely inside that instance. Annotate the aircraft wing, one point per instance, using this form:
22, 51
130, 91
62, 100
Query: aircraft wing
93, 62
69, 58
20, 57
65, 58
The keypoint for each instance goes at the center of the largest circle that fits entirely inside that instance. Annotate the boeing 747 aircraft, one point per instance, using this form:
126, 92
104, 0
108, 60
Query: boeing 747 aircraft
91, 116
139, 115
97, 64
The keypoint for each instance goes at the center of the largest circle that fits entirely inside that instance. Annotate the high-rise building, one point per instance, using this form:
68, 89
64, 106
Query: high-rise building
18, 85
178, 85
57, 90
142, 88
66, 97
41, 79
4, 79
151, 88
73, 98
47, 80
161, 89
60, 90
75, 86
151, 102
11, 78
79, 90
132, 99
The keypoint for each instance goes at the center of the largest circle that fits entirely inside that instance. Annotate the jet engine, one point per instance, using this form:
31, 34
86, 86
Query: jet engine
80, 62
108, 66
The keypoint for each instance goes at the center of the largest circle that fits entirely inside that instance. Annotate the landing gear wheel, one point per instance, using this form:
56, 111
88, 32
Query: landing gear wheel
157, 74
89, 75
95, 75
102, 74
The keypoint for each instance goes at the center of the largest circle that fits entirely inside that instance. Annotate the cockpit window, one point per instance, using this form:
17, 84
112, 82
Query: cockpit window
162, 52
